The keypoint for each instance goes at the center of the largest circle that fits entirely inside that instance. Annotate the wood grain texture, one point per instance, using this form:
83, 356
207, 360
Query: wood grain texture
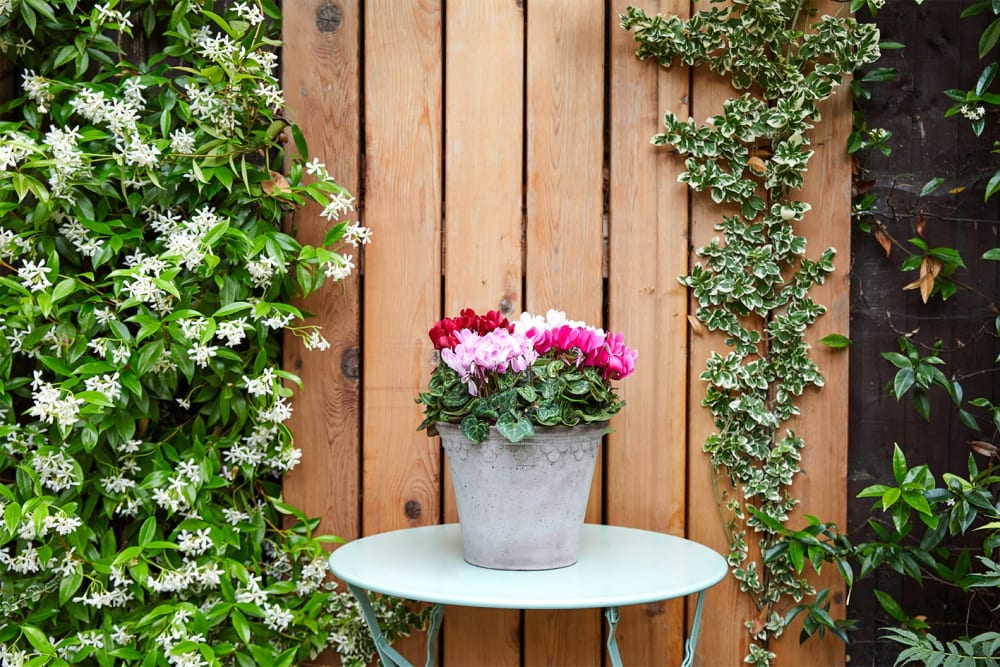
564, 235
822, 424
402, 288
724, 639
484, 107
648, 230
321, 77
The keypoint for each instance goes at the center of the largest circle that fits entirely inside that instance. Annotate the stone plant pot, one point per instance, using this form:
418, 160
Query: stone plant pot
521, 505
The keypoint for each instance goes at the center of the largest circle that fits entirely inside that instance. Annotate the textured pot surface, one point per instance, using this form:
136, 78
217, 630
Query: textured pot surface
521, 505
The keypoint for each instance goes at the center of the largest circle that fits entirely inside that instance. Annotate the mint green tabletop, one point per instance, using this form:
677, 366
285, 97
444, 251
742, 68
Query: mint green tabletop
617, 566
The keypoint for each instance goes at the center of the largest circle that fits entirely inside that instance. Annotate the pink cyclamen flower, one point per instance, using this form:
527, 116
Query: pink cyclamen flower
475, 356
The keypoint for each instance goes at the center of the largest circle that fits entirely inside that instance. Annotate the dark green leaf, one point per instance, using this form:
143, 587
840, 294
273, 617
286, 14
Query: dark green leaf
989, 38
835, 341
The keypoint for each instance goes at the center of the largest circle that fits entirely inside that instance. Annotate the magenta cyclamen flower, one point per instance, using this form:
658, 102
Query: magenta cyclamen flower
495, 352
593, 347
615, 358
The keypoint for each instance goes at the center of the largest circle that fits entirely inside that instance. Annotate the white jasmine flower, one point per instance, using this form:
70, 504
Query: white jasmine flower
33, 275
316, 168
277, 617
201, 354
315, 341
263, 270
972, 112
182, 141
130, 446
62, 524
235, 517
339, 268
340, 204
196, 543
120, 636
120, 354
37, 89
232, 331
104, 315
249, 12
278, 412
192, 327
108, 385
278, 320
251, 593
262, 385
285, 460
118, 483
357, 234
189, 471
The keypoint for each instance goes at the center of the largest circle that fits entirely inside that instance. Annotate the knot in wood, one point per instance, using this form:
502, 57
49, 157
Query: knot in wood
329, 17
412, 509
350, 363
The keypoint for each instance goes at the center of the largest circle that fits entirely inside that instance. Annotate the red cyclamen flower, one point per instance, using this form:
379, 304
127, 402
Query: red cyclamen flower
442, 334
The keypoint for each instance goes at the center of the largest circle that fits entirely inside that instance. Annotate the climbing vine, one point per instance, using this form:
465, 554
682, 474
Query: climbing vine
753, 282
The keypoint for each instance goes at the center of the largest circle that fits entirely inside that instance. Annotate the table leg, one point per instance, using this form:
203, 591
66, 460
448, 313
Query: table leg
692, 640
611, 613
389, 656
433, 625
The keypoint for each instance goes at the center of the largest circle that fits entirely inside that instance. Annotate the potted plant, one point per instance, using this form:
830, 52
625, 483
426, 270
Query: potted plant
521, 408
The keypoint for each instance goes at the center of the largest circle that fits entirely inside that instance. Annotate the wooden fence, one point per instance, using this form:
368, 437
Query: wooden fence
499, 149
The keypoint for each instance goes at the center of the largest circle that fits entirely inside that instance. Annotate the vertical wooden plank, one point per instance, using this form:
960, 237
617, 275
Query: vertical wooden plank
822, 486
725, 640
402, 288
648, 230
484, 83
563, 258
321, 81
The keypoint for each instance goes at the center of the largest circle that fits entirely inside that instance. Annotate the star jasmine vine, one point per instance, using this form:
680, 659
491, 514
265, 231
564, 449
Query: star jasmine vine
753, 281
145, 283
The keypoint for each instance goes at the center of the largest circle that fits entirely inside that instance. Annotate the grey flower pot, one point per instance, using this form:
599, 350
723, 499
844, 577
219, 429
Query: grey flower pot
521, 505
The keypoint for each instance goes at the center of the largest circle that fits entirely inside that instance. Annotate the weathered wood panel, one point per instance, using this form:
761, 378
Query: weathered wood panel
402, 287
822, 424
725, 641
564, 237
648, 236
484, 163
505, 164
321, 77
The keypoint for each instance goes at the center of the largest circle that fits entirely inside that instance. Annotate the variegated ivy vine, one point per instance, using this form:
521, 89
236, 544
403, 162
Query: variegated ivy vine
753, 284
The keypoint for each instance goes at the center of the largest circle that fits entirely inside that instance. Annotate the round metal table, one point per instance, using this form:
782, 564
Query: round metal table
617, 566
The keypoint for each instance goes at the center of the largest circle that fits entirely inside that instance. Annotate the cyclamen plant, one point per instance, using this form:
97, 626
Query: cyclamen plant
545, 371
145, 281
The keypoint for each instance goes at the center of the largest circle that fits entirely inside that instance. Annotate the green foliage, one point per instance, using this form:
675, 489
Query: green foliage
918, 373
963, 506
923, 530
977, 104
550, 393
753, 282
145, 281
928, 650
